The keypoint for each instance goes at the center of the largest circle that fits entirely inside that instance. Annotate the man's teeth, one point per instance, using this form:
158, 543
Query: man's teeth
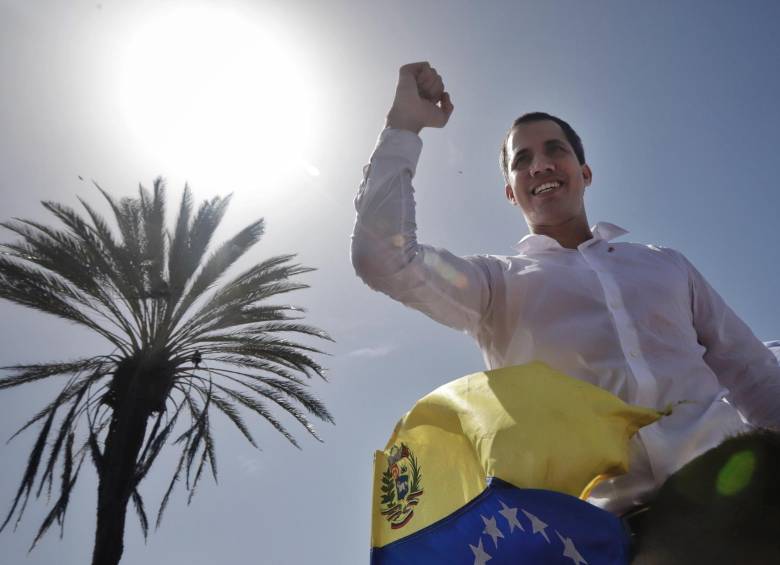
546, 187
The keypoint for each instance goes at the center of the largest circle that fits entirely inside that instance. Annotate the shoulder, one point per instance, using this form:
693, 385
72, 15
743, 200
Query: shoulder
494, 264
657, 253
503, 263
498, 267
674, 256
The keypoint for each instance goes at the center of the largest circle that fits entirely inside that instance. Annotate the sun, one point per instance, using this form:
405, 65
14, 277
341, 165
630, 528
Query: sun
217, 97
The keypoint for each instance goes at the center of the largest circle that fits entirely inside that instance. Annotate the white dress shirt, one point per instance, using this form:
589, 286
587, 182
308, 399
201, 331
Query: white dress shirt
637, 320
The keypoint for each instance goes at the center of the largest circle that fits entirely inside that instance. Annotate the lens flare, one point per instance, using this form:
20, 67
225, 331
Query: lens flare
736, 473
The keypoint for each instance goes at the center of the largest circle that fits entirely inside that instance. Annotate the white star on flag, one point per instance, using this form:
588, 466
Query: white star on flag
492, 530
480, 557
570, 551
537, 525
511, 516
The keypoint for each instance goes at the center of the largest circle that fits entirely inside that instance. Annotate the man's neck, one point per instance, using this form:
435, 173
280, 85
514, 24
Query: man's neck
570, 234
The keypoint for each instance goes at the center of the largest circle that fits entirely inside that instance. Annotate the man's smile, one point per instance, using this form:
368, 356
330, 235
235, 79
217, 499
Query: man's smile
546, 187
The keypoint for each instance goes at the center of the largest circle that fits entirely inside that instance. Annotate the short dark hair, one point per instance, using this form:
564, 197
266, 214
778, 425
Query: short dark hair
571, 136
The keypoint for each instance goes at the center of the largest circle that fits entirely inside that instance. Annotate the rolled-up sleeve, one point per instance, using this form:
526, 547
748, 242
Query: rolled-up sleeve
742, 363
386, 255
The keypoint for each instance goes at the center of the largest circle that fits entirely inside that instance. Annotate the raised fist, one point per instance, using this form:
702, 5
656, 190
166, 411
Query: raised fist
420, 99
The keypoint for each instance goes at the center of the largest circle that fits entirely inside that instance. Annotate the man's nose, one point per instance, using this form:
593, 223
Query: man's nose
541, 164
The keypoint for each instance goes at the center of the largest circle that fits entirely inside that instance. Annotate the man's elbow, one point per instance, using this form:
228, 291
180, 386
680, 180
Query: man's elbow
374, 260
363, 256
360, 260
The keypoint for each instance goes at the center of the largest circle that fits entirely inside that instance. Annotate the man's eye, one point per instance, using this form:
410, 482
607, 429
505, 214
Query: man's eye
519, 160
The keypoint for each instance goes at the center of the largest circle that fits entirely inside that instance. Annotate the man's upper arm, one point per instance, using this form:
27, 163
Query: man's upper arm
454, 291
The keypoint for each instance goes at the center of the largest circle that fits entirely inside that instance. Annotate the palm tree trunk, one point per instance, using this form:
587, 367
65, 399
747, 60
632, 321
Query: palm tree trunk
117, 477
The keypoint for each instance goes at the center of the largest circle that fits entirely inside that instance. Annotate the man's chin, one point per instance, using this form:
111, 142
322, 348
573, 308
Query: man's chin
556, 220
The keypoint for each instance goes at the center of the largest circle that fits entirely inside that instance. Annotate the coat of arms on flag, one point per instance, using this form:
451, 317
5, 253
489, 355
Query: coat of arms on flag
508, 456
401, 486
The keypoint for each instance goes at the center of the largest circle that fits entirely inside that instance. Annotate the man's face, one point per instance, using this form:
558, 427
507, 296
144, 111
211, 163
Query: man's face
545, 178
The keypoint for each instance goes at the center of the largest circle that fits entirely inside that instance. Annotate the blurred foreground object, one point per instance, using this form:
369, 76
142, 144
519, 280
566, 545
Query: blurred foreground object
722, 508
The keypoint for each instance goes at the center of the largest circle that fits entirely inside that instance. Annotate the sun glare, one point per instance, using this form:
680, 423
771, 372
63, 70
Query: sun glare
218, 98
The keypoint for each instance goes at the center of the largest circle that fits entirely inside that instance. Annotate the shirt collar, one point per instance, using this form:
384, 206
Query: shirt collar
536, 242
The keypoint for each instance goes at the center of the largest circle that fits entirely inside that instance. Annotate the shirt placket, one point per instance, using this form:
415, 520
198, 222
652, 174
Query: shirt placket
628, 336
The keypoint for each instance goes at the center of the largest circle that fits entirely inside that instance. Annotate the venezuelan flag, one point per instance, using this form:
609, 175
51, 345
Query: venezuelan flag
495, 466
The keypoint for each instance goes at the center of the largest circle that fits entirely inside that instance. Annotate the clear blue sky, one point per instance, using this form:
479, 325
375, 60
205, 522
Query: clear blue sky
676, 103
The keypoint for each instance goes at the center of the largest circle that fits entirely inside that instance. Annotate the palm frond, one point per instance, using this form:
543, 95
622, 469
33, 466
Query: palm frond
262, 329
257, 283
174, 480
259, 408
300, 393
36, 372
119, 267
232, 317
94, 449
256, 338
28, 478
180, 264
209, 453
127, 213
154, 445
192, 238
279, 395
230, 410
48, 293
153, 222
138, 503
60, 507
96, 267
283, 352
258, 364
217, 264
68, 479
199, 435
72, 393
204, 224
66, 430
57, 251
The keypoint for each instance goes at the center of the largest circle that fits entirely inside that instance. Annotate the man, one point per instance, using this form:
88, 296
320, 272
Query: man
637, 320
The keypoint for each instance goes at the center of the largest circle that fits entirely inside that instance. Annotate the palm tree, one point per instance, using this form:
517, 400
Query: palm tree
179, 353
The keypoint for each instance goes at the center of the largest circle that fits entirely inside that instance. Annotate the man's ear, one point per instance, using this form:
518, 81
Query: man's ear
510, 195
587, 174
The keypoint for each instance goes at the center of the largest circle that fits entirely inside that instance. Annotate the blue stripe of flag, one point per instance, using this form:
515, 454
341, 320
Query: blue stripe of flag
509, 525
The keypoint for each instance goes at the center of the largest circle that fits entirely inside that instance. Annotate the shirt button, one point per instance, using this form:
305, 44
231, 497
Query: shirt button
633, 354
615, 304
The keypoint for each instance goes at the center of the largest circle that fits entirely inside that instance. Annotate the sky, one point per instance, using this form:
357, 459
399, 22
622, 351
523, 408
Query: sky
280, 104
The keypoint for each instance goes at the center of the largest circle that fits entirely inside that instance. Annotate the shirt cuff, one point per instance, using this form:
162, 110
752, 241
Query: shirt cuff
400, 143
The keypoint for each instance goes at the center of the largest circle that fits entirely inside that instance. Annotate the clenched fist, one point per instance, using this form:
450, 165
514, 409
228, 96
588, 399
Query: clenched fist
420, 99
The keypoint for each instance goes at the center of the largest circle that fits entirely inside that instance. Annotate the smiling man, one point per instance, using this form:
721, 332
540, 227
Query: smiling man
637, 320
543, 163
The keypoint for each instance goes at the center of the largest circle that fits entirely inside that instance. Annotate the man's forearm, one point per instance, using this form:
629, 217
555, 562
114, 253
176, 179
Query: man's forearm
384, 238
